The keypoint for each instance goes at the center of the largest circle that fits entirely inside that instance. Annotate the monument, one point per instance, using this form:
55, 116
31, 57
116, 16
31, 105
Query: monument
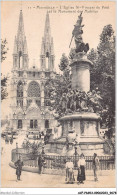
80, 124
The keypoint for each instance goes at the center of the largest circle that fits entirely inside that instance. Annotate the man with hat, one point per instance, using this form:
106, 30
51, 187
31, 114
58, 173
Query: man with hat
18, 165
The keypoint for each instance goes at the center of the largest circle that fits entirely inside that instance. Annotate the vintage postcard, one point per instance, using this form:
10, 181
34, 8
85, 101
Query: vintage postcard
58, 94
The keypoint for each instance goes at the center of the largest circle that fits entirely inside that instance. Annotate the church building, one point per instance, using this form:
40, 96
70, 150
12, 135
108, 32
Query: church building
30, 101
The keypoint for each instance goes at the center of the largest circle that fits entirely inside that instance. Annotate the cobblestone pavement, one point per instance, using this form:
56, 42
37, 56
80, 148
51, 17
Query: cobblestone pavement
28, 179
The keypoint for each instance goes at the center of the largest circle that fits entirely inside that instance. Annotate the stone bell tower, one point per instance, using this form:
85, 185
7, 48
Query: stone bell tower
20, 54
47, 48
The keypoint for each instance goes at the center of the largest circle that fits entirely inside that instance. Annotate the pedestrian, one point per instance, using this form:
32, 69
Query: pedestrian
45, 140
69, 171
11, 140
39, 135
18, 165
7, 139
42, 135
40, 163
81, 169
95, 166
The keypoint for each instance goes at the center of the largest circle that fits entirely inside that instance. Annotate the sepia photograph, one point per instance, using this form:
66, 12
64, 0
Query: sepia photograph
58, 94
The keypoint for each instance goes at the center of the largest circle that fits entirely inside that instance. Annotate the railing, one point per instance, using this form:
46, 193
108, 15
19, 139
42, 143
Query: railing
58, 162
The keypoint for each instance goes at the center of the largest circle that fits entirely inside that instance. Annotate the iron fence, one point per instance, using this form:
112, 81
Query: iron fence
58, 162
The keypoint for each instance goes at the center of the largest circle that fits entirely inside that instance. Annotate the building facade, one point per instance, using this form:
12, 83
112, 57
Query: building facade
30, 101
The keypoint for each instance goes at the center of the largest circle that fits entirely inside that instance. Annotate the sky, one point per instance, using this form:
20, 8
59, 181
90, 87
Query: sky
63, 17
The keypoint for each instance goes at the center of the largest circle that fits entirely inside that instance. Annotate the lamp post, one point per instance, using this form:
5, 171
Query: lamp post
76, 153
17, 150
43, 117
43, 150
16, 146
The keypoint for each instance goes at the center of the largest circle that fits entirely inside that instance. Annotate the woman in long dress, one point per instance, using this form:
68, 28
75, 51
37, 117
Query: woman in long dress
81, 169
69, 171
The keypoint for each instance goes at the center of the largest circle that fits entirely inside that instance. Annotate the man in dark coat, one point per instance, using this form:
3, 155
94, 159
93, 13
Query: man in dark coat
40, 162
18, 165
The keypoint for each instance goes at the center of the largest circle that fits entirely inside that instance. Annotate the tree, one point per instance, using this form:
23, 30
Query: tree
103, 75
93, 57
64, 63
65, 68
59, 85
4, 79
3, 88
3, 49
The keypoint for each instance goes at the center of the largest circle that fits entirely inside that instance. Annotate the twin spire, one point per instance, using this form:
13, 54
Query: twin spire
47, 30
21, 26
47, 49
20, 39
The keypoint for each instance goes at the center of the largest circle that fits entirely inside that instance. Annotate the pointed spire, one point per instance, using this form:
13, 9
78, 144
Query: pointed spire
21, 38
47, 31
20, 46
47, 48
20, 33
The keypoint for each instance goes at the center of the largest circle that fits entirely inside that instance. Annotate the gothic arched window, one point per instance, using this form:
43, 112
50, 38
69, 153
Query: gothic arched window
20, 89
33, 89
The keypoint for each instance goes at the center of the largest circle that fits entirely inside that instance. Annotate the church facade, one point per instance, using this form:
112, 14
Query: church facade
30, 102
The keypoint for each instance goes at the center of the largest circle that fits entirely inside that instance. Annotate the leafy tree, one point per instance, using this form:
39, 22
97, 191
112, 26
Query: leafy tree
4, 79
3, 88
64, 63
3, 49
59, 85
93, 57
65, 68
103, 75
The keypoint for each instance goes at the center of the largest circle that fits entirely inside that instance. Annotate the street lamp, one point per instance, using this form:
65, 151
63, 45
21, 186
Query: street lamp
17, 150
76, 153
43, 150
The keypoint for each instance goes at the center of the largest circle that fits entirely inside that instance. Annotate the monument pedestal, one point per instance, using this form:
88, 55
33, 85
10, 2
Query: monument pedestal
80, 68
86, 125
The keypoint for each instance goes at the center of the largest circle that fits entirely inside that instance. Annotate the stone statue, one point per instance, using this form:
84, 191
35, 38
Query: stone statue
77, 34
